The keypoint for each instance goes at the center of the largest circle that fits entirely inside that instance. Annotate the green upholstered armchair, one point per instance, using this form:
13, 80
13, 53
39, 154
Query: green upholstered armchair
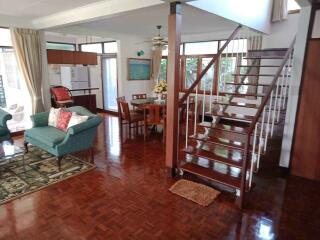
59, 143
4, 131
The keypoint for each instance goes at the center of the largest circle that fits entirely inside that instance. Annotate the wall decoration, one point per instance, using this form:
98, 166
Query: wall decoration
139, 69
140, 53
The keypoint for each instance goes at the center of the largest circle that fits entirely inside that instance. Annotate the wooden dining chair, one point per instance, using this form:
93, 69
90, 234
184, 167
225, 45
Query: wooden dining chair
139, 96
127, 117
154, 115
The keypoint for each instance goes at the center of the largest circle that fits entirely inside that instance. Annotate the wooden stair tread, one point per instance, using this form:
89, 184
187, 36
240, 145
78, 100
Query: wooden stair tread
252, 84
232, 157
243, 94
265, 57
269, 50
234, 116
225, 127
212, 174
238, 104
215, 139
253, 75
248, 84
258, 75
219, 141
258, 66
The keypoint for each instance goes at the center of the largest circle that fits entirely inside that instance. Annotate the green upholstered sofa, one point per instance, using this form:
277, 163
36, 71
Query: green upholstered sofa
4, 131
59, 143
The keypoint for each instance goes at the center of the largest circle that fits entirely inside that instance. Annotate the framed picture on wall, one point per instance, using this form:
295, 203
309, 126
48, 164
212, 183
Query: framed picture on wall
139, 69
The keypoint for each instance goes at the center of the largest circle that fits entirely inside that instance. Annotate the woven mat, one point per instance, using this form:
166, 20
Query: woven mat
195, 192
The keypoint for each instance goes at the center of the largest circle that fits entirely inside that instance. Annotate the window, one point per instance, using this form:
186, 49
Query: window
293, 6
197, 48
12, 85
61, 46
100, 47
91, 47
163, 69
195, 58
110, 47
5, 39
165, 50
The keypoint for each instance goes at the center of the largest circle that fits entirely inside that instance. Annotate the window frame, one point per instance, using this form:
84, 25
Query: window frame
63, 43
102, 46
215, 86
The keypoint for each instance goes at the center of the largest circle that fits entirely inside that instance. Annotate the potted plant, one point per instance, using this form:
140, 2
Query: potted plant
160, 88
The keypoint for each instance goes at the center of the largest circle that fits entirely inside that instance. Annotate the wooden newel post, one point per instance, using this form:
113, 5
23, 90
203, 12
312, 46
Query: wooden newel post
172, 133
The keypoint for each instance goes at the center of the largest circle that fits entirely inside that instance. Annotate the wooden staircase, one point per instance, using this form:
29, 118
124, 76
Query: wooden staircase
226, 145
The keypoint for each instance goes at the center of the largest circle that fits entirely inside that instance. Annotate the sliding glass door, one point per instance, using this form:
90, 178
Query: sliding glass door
109, 80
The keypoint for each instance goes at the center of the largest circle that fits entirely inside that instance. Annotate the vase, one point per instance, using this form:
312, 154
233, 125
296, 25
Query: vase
159, 97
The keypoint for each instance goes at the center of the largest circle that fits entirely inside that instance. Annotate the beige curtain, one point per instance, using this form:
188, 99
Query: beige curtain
280, 10
156, 62
27, 46
254, 43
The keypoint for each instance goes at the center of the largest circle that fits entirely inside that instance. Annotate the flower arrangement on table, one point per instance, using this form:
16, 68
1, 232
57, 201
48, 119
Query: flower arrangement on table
160, 88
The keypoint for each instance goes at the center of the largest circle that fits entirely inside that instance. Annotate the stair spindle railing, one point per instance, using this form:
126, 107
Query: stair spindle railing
272, 112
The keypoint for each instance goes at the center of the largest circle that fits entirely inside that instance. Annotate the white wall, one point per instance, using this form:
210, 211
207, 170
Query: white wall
251, 13
299, 53
128, 46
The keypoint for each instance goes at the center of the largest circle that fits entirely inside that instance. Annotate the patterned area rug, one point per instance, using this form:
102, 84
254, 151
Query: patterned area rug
26, 173
195, 192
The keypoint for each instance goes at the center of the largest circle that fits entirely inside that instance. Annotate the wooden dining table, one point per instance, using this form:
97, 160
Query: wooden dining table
141, 103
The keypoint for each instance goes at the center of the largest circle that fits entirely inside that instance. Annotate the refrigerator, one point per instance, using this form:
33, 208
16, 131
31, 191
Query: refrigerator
75, 78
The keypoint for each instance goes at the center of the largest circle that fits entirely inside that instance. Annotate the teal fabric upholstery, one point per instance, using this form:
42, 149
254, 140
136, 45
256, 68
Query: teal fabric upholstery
48, 135
4, 131
77, 138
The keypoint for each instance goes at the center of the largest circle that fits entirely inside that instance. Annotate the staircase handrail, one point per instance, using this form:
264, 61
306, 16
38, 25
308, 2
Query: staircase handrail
204, 71
270, 89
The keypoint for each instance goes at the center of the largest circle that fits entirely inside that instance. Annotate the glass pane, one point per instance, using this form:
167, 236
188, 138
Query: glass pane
163, 69
5, 37
165, 50
235, 46
293, 5
207, 80
11, 86
110, 47
110, 83
191, 71
201, 48
92, 47
60, 46
227, 68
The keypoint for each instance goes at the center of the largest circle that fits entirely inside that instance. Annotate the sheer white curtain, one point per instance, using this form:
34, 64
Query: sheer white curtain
27, 46
280, 10
156, 62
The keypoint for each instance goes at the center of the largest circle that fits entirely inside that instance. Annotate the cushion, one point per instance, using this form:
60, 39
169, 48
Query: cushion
53, 116
63, 120
61, 94
48, 135
77, 119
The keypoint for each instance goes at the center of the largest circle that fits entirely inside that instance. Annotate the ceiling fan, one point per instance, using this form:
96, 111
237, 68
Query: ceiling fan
159, 40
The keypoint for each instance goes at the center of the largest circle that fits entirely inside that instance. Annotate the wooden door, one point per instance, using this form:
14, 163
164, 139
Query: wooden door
306, 147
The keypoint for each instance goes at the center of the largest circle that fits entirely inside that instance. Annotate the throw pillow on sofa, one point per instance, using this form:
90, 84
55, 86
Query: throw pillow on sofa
77, 119
53, 117
63, 120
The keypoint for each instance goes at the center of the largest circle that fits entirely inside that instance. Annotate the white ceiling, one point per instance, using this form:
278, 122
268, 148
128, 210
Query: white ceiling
143, 22
30, 9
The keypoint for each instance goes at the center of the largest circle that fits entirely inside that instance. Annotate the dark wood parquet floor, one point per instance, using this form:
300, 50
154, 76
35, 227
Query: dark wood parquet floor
127, 197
